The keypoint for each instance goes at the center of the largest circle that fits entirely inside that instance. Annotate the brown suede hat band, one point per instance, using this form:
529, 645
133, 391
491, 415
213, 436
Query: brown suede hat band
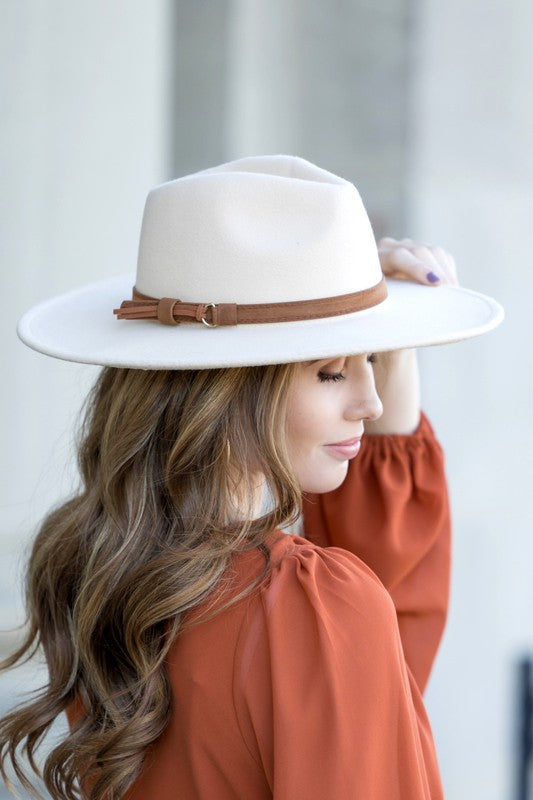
171, 311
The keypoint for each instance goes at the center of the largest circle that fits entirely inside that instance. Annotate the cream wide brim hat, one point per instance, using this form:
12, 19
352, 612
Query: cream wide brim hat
265, 230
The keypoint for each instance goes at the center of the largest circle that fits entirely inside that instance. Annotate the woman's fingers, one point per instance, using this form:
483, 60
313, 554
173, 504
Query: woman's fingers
446, 263
428, 264
400, 262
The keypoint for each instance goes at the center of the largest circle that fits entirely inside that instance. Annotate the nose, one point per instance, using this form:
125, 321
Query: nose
375, 407
365, 402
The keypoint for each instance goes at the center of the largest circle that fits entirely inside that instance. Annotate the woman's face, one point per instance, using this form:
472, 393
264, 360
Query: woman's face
325, 410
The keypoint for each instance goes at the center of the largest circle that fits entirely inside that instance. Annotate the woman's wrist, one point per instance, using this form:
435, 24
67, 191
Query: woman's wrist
398, 385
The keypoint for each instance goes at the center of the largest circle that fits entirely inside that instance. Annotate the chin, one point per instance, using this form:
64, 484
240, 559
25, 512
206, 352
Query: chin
319, 484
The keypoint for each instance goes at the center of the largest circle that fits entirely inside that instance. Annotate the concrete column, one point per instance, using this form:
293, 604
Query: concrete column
328, 82
199, 95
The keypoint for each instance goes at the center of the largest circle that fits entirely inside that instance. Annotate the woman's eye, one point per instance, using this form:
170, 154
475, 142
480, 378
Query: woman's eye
330, 376
338, 376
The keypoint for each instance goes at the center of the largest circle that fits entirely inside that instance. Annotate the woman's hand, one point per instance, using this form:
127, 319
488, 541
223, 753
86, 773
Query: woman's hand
422, 263
396, 372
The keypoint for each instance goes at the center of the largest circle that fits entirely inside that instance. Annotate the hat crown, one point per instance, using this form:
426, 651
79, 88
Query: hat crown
257, 230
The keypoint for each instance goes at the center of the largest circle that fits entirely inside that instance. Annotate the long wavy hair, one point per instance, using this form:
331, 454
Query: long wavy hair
168, 465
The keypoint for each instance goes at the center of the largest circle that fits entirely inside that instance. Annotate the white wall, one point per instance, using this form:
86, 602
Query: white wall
84, 135
471, 191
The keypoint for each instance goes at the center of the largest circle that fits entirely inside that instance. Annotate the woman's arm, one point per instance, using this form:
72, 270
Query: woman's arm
392, 512
396, 372
325, 702
398, 386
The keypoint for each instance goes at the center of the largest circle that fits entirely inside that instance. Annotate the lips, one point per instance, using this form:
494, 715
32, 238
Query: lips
347, 443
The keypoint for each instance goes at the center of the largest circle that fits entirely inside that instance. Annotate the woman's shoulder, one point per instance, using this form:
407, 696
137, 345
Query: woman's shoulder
319, 606
292, 575
331, 579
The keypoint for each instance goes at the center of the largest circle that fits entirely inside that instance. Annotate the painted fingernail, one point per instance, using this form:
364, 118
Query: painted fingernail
432, 277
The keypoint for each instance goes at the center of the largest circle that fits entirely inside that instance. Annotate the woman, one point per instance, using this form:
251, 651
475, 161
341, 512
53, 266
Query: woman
198, 650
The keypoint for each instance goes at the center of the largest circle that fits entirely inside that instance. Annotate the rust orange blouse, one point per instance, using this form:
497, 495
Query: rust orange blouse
311, 687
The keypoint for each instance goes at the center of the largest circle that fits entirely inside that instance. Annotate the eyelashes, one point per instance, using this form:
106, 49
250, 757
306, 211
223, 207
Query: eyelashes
327, 376
323, 377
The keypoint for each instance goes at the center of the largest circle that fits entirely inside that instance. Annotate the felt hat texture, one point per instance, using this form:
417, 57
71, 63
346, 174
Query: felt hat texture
258, 230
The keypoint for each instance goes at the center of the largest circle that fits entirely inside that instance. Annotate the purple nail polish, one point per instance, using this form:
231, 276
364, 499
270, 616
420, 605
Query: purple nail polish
432, 277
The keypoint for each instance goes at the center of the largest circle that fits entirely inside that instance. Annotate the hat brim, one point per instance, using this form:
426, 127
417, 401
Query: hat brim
80, 326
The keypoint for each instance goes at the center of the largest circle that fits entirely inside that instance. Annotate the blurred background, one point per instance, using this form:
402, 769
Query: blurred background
426, 106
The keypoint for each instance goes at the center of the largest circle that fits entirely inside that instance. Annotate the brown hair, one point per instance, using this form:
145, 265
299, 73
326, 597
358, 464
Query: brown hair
166, 458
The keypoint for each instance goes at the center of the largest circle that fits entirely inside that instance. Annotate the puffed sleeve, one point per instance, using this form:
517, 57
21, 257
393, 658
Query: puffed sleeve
392, 511
326, 703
